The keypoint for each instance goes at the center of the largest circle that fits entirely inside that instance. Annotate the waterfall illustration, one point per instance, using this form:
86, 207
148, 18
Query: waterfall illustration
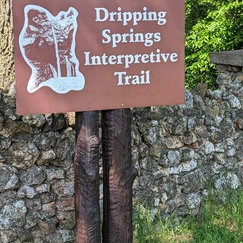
57, 53
47, 44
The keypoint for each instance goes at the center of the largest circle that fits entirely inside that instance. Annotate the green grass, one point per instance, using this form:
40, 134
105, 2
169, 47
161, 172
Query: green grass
218, 222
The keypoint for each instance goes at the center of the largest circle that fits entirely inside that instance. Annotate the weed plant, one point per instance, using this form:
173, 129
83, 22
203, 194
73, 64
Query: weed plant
219, 221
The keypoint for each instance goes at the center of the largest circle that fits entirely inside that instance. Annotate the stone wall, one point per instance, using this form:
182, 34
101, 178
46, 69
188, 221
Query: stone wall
36, 177
180, 151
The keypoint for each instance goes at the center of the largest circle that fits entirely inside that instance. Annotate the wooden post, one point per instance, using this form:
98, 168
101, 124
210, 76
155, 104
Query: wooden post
119, 175
86, 165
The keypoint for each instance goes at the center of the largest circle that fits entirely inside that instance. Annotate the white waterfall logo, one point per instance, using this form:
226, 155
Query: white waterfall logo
47, 43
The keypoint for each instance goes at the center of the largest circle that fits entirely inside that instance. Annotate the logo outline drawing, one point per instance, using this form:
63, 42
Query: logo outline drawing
47, 44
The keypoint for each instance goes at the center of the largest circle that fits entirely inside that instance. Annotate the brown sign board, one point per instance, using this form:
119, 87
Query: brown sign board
98, 54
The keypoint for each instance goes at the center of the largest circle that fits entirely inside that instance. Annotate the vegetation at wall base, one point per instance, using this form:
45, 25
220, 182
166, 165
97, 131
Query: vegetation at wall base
220, 221
210, 26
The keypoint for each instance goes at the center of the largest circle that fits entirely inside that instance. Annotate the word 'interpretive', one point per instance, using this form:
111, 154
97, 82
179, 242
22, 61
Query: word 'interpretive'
129, 59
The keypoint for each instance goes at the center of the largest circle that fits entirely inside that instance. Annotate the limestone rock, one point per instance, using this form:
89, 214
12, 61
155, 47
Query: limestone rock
8, 178
65, 205
43, 188
25, 236
66, 219
224, 78
193, 200
174, 157
209, 148
46, 157
234, 102
188, 101
47, 226
33, 176
65, 143
63, 188
49, 209
8, 236
32, 219
173, 142
47, 197
34, 120
13, 215
5, 143
26, 191
53, 238
231, 180
33, 204
67, 235
55, 122
191, 165
23, 155
54, 173
46, 141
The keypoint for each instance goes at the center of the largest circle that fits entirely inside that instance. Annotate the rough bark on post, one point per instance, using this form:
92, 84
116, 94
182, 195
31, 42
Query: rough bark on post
6, 45
119, 175
86, 165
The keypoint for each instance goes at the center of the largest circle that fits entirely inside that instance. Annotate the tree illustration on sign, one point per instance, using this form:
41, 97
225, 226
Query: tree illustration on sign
47, 43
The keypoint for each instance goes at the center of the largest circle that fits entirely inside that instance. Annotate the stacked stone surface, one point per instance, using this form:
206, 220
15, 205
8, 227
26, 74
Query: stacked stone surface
36, 177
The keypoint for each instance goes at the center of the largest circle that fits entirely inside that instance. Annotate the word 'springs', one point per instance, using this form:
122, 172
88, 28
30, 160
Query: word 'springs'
148, 38
102, 15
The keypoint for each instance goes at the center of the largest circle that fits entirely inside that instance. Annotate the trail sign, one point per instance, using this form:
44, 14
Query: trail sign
96, 55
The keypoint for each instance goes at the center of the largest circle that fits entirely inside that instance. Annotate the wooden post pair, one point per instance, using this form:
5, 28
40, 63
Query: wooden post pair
119, 175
